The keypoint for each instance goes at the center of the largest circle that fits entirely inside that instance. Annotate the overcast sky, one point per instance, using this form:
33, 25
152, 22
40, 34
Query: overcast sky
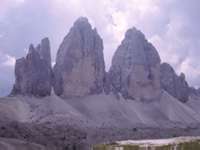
173, 26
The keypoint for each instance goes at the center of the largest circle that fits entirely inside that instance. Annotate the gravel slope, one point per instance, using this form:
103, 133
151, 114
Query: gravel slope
13, 144
101, 111
54, 121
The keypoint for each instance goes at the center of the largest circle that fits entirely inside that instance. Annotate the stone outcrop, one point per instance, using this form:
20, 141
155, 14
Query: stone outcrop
135, 70
80, 68
34, 74
175, 85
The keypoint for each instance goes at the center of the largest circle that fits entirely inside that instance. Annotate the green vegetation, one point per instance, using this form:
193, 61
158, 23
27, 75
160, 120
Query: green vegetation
131, 147
189, 146
113, 147
165, 147
104, 147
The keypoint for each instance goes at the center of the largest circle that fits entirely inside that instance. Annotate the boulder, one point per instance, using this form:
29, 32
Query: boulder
135, 70
80, 69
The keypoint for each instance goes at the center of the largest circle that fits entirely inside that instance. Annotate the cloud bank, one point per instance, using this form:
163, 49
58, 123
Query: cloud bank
171, 25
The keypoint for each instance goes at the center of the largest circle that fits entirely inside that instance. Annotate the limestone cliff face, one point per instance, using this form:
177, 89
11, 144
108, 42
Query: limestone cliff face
175, 85
135, 70
135, 73
34, 74
80, 68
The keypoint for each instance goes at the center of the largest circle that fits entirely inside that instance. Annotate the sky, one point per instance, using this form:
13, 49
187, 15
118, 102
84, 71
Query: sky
173, 26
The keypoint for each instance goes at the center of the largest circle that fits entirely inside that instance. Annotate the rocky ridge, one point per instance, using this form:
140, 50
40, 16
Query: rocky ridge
135, 73
175, 85
33, 73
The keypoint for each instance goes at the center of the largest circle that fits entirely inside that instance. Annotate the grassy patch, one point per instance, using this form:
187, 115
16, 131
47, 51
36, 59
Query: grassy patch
131, 147
165, 147
113, 147
189, 146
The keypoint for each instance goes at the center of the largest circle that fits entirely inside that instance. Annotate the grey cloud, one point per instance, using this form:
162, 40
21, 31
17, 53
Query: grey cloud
181, 39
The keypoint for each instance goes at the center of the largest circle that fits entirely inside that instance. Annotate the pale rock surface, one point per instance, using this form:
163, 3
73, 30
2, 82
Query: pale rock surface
80, 69
175, 85
135, 70
33, 73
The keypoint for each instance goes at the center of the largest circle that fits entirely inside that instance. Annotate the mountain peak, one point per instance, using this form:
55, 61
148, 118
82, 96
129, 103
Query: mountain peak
135, 68
80, 68
82, 22
82, 19
175, 85
133, 33
44, 50
31, 48
33, 74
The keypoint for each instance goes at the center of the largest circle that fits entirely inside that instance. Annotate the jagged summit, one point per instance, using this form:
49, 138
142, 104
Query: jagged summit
34, 74
82, 21
134, 33
140, 49
135, 70
31, 49
44, 50
80, 67
175, 85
